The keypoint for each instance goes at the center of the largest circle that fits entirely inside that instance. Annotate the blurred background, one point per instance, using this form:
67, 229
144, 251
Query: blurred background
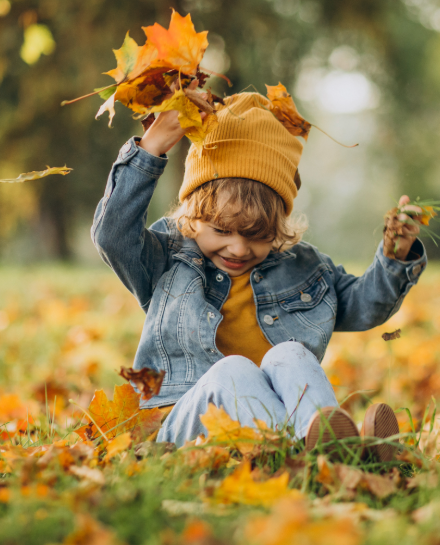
366, 72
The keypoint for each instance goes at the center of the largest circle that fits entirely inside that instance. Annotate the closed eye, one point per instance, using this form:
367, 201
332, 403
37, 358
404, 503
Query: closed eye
220, 231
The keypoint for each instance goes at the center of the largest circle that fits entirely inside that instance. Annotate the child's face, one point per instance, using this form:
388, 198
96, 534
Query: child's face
229, 251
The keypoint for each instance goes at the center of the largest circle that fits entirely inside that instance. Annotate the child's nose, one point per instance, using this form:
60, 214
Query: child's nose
238, 249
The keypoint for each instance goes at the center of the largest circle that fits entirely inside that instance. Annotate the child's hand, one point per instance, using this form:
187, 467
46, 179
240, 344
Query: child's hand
166, 131
401, 229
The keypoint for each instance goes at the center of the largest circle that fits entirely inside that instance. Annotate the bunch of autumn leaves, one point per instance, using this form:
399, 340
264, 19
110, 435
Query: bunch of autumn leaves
155, 77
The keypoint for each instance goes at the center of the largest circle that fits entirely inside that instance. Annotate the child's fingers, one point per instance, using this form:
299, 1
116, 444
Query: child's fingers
404, 199
411, 225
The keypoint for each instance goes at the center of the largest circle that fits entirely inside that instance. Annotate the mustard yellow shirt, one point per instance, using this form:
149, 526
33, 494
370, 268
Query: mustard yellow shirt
239, 332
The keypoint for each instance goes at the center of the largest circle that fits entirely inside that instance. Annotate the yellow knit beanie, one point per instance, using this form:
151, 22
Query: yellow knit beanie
249, 142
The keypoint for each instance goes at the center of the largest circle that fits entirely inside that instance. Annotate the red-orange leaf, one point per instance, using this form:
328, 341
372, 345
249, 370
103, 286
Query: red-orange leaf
180, 45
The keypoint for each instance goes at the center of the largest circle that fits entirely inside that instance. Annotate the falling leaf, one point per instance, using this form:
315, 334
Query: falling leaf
121, 414
180, 45
119, 444
240, 487
392, 336
38, 40
284, 109
36, 175
147, 381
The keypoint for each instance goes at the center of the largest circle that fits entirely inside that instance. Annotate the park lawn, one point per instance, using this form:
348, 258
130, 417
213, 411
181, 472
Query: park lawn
66, 331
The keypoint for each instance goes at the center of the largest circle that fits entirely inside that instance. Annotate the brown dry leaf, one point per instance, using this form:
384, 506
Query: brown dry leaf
36, 175
392, 230
121, 414
90, 532
119, 444
180, 46
425, 480
392, 336
88, 474
143, 92
345, 480
147, 381
285, 111
290, 522
148, 121
240, 487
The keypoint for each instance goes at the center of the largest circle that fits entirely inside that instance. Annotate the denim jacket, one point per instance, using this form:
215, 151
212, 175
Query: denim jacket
299, 294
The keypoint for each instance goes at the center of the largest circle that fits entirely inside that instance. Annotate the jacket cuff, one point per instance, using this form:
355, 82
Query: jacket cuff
138, 157
412, 268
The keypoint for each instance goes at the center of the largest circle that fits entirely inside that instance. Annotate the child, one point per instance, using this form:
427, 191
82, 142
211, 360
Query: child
239, 312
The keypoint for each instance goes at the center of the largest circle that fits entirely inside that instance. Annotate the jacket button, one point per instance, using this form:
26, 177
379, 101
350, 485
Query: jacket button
306, 297
416, 270
219, 277
257, 277
268, 319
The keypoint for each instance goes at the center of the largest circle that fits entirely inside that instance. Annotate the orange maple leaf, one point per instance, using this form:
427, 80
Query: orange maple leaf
180, 46
120, 415
285, 111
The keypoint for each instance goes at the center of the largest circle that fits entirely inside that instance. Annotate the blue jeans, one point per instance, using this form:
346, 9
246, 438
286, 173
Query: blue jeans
270, 393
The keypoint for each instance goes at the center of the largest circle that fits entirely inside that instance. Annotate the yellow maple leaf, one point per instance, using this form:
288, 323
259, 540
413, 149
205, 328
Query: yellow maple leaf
189, 115
197, 135
240, 487
180, 46
222, 429
119, 444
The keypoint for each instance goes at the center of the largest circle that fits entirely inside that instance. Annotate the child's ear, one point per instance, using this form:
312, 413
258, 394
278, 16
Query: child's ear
297, 179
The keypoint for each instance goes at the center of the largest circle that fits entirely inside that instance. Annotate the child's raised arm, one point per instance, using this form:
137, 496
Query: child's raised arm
139, 256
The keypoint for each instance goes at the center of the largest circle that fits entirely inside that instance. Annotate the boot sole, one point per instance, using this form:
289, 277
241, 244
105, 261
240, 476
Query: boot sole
380, 422
340, 422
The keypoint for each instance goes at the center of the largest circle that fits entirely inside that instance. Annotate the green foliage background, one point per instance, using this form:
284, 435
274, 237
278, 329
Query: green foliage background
265, 41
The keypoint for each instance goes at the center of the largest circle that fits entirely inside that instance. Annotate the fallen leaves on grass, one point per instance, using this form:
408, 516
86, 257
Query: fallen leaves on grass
110, 418
344, 480
90, 532
240, 487
290, 522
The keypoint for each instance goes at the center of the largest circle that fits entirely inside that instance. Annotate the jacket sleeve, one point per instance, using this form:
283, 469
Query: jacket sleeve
370, 300
137, 255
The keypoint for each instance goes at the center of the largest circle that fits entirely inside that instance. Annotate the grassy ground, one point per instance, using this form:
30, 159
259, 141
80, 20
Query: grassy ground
64, 332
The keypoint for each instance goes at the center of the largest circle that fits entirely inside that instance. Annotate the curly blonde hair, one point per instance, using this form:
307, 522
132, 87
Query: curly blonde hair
248, 207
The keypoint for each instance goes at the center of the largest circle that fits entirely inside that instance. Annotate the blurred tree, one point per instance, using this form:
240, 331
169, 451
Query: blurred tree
52, 50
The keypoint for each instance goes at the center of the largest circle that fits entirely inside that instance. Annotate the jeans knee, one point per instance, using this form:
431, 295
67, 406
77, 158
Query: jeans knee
235, 368
290, 352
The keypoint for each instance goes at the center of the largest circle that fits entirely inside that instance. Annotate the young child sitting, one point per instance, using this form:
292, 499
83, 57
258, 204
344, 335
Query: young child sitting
239, 312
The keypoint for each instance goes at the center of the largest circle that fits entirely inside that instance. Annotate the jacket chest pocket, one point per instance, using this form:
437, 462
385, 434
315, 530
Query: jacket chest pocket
307, 298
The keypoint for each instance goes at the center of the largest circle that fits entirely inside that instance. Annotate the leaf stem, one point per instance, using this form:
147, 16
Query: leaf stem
65, 102
334, 139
